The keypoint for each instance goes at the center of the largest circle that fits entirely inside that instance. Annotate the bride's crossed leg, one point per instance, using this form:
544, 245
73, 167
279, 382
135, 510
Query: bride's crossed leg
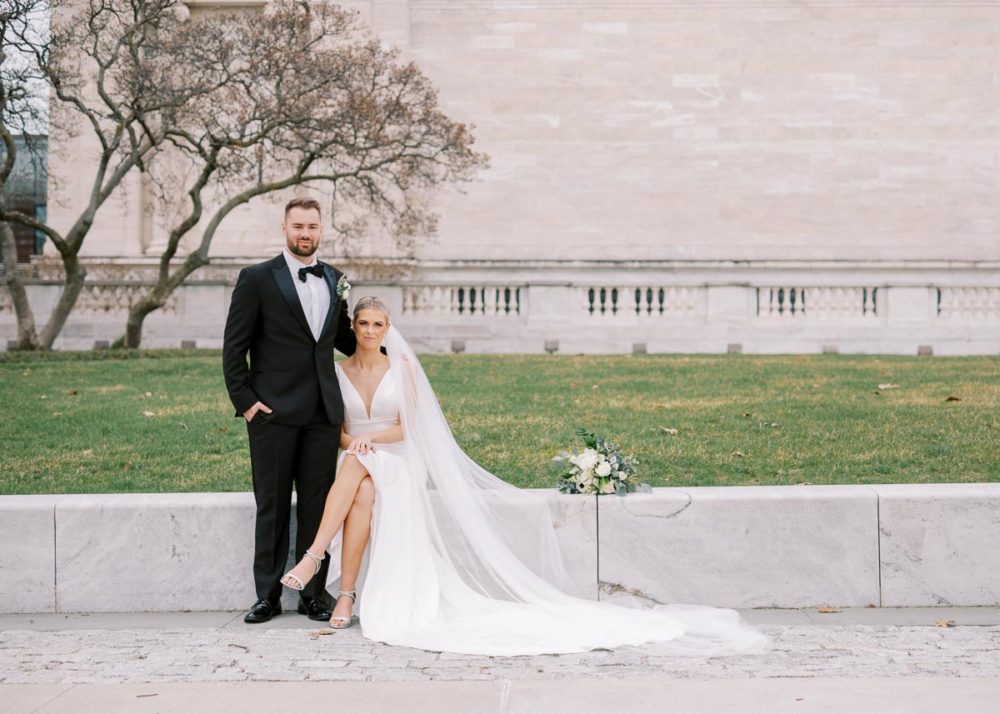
352, 487
357, 529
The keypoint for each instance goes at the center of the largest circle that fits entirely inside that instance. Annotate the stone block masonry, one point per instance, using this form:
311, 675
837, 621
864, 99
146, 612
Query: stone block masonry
744, 547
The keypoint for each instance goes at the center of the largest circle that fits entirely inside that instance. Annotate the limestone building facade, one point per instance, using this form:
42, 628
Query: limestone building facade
670, 175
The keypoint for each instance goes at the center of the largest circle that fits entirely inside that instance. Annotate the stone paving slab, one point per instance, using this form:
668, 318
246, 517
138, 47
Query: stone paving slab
233, 620
293, 649
916, 695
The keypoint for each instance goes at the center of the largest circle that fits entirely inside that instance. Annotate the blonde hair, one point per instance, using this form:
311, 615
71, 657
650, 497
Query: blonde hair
370, 303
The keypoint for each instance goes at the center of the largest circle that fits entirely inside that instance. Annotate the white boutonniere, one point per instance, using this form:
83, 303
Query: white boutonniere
343, 288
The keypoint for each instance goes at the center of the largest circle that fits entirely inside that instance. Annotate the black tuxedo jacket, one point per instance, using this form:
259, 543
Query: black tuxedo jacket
289, 370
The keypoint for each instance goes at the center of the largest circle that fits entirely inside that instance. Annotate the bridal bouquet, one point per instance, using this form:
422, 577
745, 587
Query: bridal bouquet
600, 468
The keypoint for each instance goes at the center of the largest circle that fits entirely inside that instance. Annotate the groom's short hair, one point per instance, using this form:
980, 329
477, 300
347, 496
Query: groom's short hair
302, 203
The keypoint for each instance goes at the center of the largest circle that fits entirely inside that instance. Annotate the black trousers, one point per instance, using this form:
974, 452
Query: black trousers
283, 456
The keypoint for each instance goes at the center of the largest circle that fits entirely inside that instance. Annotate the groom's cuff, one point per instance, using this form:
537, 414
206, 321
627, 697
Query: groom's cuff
244, 399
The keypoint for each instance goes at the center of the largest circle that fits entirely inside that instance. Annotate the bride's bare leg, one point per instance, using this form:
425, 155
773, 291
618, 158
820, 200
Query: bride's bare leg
357, 528
338, 503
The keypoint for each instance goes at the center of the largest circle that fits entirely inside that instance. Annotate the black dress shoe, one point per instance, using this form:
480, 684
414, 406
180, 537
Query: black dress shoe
315, 608
262, 611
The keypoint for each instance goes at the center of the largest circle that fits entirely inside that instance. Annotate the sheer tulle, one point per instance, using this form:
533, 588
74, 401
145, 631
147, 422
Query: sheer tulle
462, 561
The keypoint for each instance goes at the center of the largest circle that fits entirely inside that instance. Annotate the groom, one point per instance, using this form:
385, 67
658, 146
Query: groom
288, 314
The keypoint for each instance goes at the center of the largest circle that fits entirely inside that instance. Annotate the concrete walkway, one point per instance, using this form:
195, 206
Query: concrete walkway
877, 660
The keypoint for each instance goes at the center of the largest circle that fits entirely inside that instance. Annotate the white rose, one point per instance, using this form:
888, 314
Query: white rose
587, 460
586, 478
609, 487
603, 469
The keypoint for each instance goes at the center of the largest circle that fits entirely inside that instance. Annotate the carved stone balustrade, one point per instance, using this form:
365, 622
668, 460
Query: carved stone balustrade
938, 307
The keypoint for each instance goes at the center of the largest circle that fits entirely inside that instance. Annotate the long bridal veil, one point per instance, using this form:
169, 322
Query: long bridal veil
500, 541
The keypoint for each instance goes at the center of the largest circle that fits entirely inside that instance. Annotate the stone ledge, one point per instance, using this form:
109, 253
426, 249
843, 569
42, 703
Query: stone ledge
744, 547
939, 544
790, 546
171, 552
178, 551
28, 554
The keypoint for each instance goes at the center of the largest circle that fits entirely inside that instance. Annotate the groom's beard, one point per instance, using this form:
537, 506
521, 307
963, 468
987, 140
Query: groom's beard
297, 249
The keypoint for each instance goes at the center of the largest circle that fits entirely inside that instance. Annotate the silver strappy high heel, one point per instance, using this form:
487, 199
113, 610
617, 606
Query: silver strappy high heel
288, 577
340, 622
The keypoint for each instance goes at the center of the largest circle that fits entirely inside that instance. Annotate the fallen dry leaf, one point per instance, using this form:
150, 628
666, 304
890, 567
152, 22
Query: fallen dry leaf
826, 610
944, 623
147, 413
316, 634
668, 430
888, 386
738, 454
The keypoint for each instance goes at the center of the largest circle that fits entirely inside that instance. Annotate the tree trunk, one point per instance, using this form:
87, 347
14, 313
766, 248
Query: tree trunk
75, 276
27, 336
132, 338
156, 298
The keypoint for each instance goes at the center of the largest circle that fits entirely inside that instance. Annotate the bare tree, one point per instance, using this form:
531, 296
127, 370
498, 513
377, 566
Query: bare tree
94, 61
242, 105
301, 96
20, 114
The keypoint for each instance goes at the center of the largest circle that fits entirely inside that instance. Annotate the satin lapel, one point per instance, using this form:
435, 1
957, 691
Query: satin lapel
284, 280
329, 276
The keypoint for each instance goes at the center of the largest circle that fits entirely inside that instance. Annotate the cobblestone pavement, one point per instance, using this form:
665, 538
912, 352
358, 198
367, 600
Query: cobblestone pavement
188, 648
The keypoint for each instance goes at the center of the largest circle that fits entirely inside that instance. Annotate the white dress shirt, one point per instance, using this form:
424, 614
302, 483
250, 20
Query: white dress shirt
314, 293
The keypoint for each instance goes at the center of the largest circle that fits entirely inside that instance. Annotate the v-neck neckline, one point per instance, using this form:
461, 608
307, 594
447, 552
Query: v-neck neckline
367, 407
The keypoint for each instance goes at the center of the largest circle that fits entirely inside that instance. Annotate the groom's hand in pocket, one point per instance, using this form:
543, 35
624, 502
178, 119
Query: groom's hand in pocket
250, 413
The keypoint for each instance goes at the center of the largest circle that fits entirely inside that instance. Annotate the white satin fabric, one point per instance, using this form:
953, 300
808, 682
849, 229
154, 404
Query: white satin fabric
460, 561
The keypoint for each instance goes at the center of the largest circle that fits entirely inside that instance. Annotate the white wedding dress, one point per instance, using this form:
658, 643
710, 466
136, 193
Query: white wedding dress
460, 561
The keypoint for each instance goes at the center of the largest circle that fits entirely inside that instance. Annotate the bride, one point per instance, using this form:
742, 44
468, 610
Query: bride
459, 560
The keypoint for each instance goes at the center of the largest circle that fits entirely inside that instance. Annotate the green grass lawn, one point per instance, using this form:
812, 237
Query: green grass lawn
161, 421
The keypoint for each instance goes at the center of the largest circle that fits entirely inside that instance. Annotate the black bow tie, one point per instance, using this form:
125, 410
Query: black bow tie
316, 270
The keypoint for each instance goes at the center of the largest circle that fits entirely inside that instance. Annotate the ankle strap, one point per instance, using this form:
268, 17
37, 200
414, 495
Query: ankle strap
353, 594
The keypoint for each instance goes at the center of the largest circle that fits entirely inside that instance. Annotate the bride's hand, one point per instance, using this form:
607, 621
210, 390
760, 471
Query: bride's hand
360, 445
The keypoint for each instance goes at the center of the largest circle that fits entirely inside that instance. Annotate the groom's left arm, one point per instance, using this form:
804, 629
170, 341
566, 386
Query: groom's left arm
241, 328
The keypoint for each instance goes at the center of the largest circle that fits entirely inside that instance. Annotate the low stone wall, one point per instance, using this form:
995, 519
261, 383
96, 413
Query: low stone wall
794, 546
